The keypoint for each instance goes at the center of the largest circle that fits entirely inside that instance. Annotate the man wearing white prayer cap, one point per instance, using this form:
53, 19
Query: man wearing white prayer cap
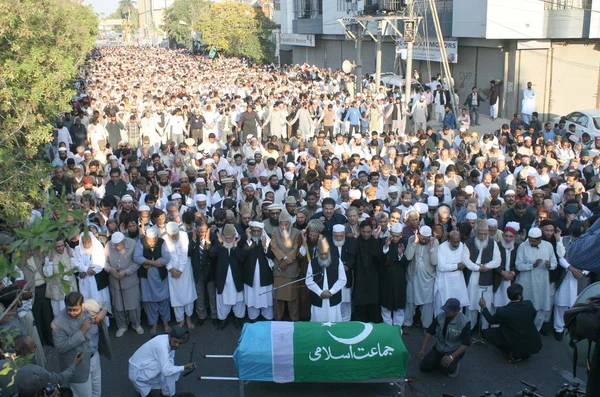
182, 288
483, 256
152, 256
392, 286
421, 252
124, 283
340, 248
258, 265
535, 259
325, 289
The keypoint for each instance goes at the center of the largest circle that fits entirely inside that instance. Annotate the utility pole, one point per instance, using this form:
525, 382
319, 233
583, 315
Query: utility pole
380, 25
359, 65
409, 53
445, 63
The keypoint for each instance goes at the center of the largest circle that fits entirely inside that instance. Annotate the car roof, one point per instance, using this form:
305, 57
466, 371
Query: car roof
591, 112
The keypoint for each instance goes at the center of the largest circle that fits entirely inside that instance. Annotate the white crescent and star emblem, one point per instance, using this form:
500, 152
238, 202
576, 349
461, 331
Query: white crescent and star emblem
355, 340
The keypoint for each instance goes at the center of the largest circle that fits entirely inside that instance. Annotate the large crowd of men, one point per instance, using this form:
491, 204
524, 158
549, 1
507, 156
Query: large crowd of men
208, 184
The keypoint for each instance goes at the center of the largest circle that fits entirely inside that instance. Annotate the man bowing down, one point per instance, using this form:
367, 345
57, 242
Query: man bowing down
325, 289
152, 366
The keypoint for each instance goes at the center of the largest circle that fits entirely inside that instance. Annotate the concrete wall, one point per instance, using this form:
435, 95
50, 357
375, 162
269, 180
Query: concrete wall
595, 20
567, 24
284, 16
469, 18
515, 19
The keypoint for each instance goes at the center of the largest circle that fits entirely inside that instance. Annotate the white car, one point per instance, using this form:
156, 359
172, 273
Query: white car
585, 121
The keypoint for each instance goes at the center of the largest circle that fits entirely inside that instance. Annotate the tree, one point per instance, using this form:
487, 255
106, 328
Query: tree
126, 8
180, 19
238, 29
44, 42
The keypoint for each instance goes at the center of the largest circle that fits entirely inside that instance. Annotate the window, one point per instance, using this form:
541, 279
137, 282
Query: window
583, 120
277, 5
308, 9
566, 4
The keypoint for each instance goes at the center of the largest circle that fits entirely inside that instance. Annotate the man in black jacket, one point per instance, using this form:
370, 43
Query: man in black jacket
473, 101
201, 240
517, 335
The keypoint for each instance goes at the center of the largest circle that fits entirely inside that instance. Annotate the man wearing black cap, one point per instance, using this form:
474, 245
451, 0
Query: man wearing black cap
453, 333
152, 366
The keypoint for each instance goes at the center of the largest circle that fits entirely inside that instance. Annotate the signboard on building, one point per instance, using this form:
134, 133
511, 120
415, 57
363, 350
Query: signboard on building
304, 40
429, 50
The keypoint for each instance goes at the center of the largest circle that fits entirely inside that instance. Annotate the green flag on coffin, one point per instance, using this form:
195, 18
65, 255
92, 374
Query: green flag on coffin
318, 352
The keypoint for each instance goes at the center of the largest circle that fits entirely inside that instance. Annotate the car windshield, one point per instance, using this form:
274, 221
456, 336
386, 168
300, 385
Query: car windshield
596, 122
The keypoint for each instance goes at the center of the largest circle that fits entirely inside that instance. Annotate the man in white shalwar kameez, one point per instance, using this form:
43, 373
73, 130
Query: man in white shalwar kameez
89, 258
182, 290
534, 259
481, 284
339, 240
566, 293
528, 104
229, 279
449, 278
422, 253
258, 272
153, 367
325, 300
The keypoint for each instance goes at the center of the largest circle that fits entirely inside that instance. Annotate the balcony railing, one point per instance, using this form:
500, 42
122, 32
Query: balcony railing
308, 9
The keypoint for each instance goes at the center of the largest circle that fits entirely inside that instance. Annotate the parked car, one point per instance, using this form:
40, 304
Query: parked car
585, 121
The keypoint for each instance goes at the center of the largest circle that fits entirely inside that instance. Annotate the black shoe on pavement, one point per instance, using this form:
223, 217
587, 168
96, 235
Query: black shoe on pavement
200, 322
215, 322
559, 335
223, 324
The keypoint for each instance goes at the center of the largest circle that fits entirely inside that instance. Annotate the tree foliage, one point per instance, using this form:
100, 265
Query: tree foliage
188, 12
238, 29
127, 10
43, 44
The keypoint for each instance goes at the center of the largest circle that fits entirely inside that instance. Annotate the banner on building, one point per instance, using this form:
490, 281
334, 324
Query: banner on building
429, 50
304, 40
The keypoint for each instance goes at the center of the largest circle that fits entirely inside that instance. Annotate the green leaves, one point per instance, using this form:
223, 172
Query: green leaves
42, 43
187, 11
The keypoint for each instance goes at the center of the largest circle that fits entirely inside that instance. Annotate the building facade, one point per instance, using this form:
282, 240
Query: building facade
554, 44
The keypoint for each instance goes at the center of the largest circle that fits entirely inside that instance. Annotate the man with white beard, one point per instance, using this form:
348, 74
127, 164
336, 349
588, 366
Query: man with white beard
325, 296
393, 197
342, 251
480, 257
507, 270
229, 283
285, 244
182, 289
89, 257
449, 278
535, 258
257, 259
422, 252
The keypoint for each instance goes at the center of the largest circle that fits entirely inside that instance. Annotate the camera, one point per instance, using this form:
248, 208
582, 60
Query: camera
50, 387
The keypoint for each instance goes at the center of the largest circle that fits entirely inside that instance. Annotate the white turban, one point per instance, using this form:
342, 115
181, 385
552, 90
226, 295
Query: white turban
338, 228
256, 224
152, 232
172, 228
396, 228
117, 237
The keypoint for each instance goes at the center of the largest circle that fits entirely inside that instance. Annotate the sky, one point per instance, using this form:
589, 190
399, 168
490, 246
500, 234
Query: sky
103, 6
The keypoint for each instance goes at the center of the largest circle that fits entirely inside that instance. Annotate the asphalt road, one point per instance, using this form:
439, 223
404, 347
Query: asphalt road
482, 369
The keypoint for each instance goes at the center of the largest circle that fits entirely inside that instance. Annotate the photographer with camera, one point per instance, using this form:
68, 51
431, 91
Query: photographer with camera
34, 381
